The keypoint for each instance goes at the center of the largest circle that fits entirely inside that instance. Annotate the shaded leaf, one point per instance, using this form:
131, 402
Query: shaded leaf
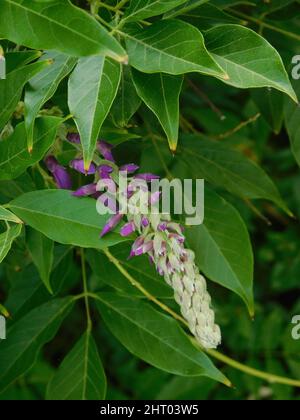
7, 238
27, 336
41, 250
142, 9
14, 155
292, 118
161, 92
223, 248
228, 169
81, 375
11, 88
42, 87
270, 104
127, 101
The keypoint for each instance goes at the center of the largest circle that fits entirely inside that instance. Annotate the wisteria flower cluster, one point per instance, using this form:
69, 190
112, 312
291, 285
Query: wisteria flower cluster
157, 236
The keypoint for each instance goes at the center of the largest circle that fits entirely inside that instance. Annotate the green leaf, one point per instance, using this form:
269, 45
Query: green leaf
93, 87
41, 250
26, 337
223, 248
161, 93
7, 238
248, 59
170, 46
27, 291
207, 16
14, 155
11, 88
16, 59
228, 169
143, 9
127, 101
139, 268
8, 216
81, 375
154, 337
42, 87
57, 25
270, 104
63, 218
186, 7
292, 118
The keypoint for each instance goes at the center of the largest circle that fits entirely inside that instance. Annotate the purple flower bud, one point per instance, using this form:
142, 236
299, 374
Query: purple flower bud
60, 174
89, 189
128, 229
145, 222
105, 171
73, 138
130, 168
111, 224
78, 165
147, 177
138, 242
143, 249
179, 238
162, 227
105, 150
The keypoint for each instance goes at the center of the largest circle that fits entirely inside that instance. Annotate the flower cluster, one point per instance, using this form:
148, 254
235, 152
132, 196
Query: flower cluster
157, 236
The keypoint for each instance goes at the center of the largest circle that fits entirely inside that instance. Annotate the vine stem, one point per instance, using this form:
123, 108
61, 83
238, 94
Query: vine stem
263, 24
213, 353
86, 292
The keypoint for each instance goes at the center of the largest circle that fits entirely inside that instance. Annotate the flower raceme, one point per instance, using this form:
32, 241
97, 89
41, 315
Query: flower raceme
157, 236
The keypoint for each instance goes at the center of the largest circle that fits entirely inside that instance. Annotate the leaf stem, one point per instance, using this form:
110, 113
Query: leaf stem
137, 285
213, 353
86, 292
121, 4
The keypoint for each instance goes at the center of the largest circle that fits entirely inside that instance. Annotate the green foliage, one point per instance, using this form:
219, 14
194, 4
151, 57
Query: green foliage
185, 89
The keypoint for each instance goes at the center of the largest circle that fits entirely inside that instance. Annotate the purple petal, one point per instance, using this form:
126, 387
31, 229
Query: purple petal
60, 174
162, 226
89, 189
130, 168
78, 165
137, 243
145, 221
105, 150
147, 177
105, 171
73, 138
143, 249
111, 224
128, 229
